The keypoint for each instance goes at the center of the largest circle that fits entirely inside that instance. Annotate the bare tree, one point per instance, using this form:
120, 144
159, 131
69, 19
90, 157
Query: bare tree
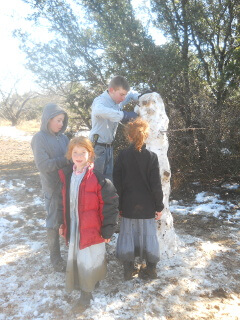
13, 106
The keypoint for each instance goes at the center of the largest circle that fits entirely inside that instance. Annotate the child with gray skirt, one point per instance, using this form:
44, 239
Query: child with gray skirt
137, 180
90, 209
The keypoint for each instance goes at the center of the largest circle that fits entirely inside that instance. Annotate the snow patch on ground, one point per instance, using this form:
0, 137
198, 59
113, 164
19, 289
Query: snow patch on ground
7, 132
33, 291
207, 203
201, 281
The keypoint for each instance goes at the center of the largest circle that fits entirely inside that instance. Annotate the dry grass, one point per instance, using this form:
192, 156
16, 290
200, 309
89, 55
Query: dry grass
31, 126
4, 123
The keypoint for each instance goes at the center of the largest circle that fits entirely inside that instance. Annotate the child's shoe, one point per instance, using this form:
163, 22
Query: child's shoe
152, 270
59, 266
83, 303
129, 270
148, 271
85, 298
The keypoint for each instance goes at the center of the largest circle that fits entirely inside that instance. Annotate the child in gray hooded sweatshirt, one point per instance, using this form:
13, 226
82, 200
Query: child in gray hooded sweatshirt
49, 147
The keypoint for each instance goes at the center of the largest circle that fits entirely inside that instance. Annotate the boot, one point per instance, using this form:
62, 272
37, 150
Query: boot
148, 271
129, 270
85, 298
54, 247
152, 270
83, 303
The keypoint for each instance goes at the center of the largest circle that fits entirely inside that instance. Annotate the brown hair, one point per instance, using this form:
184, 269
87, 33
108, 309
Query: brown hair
137, 132
80, 142
119, 82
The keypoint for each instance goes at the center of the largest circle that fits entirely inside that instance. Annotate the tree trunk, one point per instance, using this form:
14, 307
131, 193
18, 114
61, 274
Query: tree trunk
151, 108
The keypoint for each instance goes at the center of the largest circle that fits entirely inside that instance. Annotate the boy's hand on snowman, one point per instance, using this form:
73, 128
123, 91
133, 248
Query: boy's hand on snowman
158, 215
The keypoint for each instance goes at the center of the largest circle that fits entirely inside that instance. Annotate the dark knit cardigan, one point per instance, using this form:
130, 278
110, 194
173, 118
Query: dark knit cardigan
137, 180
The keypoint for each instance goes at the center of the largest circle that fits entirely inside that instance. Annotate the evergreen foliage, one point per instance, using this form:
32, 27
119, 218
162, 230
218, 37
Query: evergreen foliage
196, 71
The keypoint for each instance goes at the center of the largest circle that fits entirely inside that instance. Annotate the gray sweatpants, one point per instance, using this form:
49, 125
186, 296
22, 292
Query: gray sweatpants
54, 208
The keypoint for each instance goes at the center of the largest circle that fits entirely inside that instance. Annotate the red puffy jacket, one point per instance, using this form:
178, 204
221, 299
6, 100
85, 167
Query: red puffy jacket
97, 207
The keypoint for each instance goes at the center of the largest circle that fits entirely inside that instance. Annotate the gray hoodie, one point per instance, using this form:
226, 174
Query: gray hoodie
49, 150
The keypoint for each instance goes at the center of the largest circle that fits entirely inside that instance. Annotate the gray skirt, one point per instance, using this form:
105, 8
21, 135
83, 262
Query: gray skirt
138, 238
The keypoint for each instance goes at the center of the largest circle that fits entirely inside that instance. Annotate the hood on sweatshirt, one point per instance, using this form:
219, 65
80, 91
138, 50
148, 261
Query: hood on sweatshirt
50, 111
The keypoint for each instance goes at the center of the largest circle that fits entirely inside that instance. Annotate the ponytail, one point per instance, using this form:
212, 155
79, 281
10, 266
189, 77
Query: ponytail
137, 132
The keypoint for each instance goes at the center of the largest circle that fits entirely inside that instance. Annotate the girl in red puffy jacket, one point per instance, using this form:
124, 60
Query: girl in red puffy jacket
90, 208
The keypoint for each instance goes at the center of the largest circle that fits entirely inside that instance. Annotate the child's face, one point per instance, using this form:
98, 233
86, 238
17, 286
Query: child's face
55, 124
80, 157
118, 95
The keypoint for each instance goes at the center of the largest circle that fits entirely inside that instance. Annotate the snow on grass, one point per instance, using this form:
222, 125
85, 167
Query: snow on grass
206, 203
233, 186
38, 201
7, 132
33, 291
194, 283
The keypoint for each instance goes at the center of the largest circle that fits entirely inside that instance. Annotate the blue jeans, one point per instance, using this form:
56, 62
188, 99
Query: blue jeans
104, 160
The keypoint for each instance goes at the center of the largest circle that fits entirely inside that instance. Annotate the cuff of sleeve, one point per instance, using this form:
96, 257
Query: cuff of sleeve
160, 208
122, 114
107, 235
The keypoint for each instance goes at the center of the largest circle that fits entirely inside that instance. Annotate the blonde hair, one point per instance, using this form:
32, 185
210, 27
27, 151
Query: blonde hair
119, 82
137, 132
80, 142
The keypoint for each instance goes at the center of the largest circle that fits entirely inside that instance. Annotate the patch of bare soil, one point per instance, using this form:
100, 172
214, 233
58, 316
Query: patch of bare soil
16, 157
204, 286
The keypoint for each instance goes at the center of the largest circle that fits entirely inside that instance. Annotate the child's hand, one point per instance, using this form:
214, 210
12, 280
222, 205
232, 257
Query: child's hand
60, 230
106, 240
158, 215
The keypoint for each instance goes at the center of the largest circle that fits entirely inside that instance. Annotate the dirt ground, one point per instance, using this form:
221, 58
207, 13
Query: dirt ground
216, 302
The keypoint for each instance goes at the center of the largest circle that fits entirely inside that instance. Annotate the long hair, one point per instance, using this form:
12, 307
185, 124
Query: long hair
80, 142
137, 132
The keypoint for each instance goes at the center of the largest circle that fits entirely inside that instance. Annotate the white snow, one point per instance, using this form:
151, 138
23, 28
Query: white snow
232, 186
186, 288
225, 151
7, 132
207, 203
